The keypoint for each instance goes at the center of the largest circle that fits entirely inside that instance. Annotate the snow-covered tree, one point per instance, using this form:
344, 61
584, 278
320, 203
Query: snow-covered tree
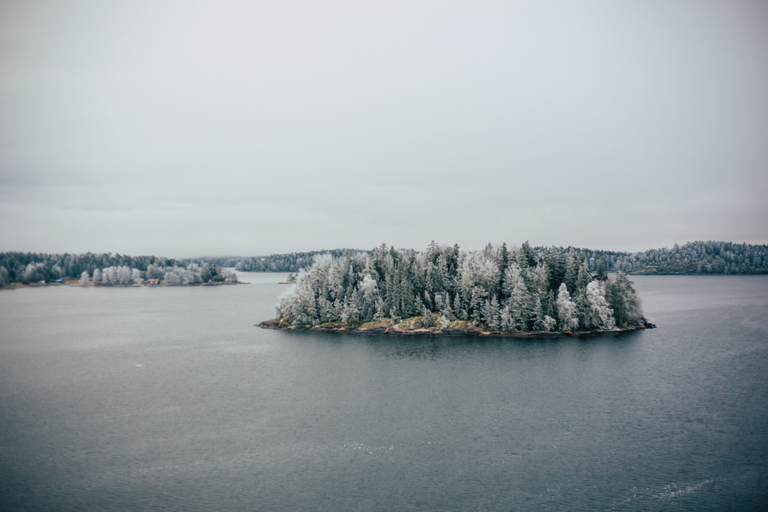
491, 313
506, 290
34, 272
506, 319
624, 302
566, 310
428, 317
602, 314
369, 292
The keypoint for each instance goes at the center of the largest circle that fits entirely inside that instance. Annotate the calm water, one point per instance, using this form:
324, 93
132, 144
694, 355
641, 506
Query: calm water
170, 399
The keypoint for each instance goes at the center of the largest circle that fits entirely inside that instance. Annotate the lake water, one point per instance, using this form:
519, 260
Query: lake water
171, 399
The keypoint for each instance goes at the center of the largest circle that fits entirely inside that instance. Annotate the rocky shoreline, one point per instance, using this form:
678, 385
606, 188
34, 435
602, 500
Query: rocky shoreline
415, 327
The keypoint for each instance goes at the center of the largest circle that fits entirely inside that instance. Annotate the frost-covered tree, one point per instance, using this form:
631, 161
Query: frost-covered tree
521, 303
626, 306
492, 313
445, 309
35, 272
154, 272
428, 317
351, 312
566, 310
369, 295
497, 288
298, 302
84, 279
601, 313
506, 319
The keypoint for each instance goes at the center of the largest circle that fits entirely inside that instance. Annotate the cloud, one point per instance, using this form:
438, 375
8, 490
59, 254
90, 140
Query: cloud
341, 124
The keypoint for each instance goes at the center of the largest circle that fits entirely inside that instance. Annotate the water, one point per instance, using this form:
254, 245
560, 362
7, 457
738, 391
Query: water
170, 399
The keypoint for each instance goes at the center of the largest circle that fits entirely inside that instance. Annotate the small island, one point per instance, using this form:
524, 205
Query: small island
445, 291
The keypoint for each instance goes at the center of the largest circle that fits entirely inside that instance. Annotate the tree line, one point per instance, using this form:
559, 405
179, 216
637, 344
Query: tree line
292, 262
498, 287
691, 258
177, 275
105, 269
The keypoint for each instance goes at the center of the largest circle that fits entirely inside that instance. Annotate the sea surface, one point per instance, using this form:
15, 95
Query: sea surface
171, 399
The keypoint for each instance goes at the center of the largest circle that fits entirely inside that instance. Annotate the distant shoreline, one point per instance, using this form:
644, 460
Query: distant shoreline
76, 284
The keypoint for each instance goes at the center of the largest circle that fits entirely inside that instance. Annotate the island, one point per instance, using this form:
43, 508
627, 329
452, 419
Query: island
498, 291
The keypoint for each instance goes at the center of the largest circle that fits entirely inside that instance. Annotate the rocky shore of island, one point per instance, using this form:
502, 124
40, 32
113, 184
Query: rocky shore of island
416, 327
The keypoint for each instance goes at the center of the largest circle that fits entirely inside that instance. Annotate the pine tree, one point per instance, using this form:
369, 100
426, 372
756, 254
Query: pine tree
525, 256
572, 265
491, 313
427, 317
476, 304
602, 275
622, 299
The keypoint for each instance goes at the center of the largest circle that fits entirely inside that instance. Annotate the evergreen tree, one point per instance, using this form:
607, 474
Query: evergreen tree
491, 313
622, 299
427, 317
525, 256
602, 275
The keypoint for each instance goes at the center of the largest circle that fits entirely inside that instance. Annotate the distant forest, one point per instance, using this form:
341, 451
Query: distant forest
691, 258
106, 269
292, 262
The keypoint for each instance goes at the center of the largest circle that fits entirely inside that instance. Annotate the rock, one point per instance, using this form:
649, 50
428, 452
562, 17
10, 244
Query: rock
414, 327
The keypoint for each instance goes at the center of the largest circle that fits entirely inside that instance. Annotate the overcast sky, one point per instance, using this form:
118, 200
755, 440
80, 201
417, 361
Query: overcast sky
248, 128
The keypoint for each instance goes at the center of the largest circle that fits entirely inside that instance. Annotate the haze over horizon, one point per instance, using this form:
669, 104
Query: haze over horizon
241, 128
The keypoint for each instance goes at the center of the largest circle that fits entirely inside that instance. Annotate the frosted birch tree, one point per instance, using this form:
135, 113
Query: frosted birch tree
566, 310
602, 314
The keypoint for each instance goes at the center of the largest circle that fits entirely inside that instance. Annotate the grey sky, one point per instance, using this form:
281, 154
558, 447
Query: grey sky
209, 128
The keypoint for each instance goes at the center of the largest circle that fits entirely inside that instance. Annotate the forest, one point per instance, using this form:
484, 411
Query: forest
498, 288
106, 269
691, 258
292, 262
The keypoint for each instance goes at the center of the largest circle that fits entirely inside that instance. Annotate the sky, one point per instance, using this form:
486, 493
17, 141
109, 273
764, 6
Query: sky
247, 128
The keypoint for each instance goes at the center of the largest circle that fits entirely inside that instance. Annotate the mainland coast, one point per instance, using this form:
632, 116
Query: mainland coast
78, 284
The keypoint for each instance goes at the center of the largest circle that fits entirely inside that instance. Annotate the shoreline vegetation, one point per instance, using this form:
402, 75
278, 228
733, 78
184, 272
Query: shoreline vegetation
693, 258
443, 290
77, 284
93, 272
